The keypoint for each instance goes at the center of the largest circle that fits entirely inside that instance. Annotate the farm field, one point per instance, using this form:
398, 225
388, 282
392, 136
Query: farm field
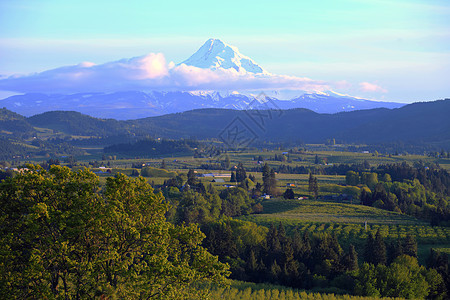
247, 291
347, 222
324, 211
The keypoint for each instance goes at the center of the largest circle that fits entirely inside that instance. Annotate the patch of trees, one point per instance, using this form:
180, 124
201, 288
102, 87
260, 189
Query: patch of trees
434, 179
11, 148
420, 191
192, 202
338, 169
152, 148
305, 260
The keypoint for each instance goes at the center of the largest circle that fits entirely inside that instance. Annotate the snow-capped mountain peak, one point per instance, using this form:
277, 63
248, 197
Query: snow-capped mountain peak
215, 54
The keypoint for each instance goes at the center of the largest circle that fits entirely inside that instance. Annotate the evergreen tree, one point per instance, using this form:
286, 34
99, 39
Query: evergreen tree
311, 183
273, 183
297, 243
252, 178
252, 263
379, 250
275, 271
365, 197
368, 249
240, 173
410, 246
266, 178
233, 177
315, 188
191, 178
227, 162
273, 240
350, 260
289, 194
307, 248
395, 250
282, 234
269, 180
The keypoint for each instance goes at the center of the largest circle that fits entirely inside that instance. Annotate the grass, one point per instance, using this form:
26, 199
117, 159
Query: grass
328, 212
262, 291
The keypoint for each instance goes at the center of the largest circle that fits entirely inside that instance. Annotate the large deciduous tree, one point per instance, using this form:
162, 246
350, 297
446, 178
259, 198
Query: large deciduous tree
61, 236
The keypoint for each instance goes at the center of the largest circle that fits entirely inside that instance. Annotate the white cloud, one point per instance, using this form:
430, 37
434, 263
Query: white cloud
150, 72
371, 87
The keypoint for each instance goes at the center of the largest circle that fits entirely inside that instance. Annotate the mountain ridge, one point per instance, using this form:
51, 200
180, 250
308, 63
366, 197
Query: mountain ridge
423, 123
137, 104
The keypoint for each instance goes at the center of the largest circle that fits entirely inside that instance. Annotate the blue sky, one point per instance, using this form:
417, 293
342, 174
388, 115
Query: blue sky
386, 50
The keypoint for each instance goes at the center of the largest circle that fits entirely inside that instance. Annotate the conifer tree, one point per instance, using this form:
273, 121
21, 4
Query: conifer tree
289, 194
275, 271
233, 177
191, 179
395, 250
379, 250
351, 259
310, 182
410, 246
368, 250
252, 263
315, 188
269, 180
240, 173
273, 240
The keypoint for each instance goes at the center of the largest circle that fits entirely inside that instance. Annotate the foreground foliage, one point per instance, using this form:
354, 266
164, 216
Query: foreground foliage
61, 236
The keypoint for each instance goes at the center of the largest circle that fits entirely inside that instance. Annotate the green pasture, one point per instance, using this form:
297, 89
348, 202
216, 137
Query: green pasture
329, 212
262, 291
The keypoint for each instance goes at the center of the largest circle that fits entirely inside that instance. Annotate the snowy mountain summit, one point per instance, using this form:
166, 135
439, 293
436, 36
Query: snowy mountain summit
215, 54
143, 101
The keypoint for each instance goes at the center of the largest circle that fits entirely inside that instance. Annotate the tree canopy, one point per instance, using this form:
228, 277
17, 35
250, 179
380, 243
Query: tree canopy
63, 236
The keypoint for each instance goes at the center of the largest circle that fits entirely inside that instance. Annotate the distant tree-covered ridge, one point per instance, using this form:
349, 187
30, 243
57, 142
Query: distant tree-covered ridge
64, 237
423, 124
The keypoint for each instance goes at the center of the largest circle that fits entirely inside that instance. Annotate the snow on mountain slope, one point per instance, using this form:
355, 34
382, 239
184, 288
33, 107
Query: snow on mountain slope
215, 54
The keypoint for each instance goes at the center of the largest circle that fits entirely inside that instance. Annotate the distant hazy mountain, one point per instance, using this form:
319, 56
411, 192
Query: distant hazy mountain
214, 55
136, 104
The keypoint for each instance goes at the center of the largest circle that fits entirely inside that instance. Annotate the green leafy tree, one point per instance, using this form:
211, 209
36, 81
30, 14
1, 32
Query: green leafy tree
62, 237
352, 178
